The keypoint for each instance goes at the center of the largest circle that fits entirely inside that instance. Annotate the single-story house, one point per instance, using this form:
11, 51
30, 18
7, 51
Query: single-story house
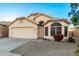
38, 25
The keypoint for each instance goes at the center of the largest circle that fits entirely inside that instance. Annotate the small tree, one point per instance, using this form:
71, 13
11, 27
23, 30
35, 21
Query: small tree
74, 16
74, 13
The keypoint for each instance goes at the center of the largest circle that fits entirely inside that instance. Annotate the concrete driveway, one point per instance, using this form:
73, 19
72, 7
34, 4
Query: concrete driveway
47, 48
8, 44
30, 47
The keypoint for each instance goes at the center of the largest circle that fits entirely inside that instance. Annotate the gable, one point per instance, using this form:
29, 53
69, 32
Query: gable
37, 17
42, 18
22, 23
61, 22
31, 18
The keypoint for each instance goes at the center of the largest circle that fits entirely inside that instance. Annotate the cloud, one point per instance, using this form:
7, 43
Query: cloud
9, 17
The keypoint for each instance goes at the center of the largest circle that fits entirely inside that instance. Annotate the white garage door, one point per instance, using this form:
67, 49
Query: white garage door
23, 33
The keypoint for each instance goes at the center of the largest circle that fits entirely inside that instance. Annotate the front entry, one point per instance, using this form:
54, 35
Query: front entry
40, 32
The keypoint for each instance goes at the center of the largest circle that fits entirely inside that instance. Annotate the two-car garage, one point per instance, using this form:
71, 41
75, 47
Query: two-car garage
25, 29
23, 32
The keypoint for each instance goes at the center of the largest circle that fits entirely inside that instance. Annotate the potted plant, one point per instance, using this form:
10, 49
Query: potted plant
58, 37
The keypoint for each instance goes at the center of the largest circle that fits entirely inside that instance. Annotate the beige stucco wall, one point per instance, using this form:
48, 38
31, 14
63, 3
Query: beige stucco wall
31, 17
39, 18
49, 24
23, 24
42, 18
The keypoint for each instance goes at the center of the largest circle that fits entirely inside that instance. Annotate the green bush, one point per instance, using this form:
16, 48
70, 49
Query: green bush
77, 52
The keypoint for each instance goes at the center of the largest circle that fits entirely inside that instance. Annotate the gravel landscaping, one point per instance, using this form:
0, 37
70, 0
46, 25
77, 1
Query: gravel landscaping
46, 48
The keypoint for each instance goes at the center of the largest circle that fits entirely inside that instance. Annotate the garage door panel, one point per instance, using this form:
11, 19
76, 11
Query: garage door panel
23, 33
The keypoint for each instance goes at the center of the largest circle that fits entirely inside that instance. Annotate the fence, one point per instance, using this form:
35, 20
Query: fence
75, 33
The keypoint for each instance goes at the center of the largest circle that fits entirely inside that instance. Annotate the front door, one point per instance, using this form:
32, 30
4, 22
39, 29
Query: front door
40, 32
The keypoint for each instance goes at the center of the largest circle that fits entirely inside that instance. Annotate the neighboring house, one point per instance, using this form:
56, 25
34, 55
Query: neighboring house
5, 22
38, 25
74, 31
3, 30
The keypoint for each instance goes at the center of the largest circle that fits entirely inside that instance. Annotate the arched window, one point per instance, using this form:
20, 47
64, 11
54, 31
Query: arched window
56, 28
56, 24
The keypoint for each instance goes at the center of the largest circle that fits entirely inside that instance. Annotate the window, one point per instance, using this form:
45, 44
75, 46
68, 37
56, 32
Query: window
59, 30
56, 28
52, 31
65, 31
56, 24
46, 31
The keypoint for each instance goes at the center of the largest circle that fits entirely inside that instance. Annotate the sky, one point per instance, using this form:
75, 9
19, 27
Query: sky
10, 11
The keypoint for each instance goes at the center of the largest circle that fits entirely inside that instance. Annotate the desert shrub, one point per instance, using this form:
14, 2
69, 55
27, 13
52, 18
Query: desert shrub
72, 40
77, 51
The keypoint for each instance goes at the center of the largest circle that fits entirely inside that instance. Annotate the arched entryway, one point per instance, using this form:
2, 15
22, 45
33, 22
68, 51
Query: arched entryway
56, 28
